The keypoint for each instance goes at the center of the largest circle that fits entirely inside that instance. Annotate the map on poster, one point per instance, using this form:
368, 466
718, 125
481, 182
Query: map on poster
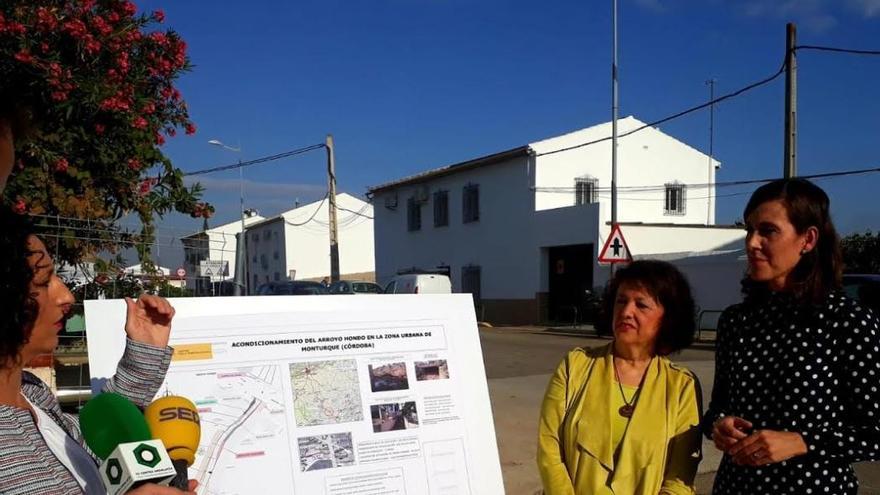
326, 394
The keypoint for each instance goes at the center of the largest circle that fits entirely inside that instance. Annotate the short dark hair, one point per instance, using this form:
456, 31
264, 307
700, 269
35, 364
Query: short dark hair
665, 283
819, 271
16, 275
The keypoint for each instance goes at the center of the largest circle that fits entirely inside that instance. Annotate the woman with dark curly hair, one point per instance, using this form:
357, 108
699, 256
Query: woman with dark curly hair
41, 448
795, 400
622, 418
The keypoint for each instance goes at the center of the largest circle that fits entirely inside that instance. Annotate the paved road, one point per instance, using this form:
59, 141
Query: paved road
519, 362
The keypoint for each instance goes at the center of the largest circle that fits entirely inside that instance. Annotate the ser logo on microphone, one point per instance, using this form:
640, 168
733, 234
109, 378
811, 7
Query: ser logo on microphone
173, 413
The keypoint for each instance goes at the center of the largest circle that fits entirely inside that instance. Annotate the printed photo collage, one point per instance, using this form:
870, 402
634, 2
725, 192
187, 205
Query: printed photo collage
330, 393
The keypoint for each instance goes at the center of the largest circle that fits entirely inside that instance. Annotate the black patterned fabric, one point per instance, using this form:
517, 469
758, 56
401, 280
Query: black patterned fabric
813, 370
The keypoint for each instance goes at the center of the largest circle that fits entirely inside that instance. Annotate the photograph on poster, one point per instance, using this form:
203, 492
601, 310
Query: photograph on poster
432, 370
394, 416
326, 392
390, 376
325, 451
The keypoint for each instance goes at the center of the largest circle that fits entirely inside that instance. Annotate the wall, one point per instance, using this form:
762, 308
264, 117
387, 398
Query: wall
647, 158
307, 243
265, 252
501, 242
222, 247
299, 240
714, 278
659, 241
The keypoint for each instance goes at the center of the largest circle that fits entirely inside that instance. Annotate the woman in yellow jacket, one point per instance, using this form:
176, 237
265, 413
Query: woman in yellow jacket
622, 419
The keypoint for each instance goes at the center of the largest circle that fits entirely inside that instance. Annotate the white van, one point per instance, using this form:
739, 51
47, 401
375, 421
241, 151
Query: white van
419, 283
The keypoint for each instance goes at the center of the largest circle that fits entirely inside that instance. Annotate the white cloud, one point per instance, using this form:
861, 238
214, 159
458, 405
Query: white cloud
813, 15
868, 8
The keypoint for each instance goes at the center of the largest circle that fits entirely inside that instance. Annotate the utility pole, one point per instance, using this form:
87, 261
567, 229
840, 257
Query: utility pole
241, 288
711, 84
614, 109
790, 159
331, 196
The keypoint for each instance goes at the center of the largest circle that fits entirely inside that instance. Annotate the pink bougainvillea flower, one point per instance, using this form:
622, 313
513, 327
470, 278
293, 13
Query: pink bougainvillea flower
61, 165
19, 207
24, 57
139, 123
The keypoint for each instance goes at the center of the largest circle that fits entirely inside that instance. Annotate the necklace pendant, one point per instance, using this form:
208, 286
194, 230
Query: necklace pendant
626, 411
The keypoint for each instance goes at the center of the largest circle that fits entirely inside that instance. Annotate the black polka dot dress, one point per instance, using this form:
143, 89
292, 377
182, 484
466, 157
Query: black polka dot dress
813, 370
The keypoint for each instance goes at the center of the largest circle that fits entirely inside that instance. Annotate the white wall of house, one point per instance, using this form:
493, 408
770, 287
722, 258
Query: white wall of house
715, 280
519, 220
647, 158
500, 242
674, 242
265, 252
221, 247
299, 240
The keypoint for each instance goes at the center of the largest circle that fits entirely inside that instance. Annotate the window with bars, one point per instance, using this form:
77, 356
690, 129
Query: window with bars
441, 208
413, 215
674, 203
585, 190
470, 203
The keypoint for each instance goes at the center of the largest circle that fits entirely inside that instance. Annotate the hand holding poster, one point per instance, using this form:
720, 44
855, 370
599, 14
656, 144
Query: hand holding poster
326, 394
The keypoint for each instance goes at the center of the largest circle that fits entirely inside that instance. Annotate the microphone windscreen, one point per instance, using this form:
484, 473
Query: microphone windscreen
110, 419
175, 421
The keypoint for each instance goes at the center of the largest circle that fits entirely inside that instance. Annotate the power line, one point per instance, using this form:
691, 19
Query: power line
256, 161
677, 115
288, 222
358, 213
837, 50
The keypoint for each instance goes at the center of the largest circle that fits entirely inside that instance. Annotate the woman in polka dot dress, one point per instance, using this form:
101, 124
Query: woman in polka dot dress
797, 371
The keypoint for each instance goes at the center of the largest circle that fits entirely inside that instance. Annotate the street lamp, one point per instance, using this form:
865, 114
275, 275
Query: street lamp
241, 272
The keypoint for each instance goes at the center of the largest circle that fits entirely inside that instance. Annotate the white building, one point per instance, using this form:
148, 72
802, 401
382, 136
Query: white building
216, 244
296, 244
521, 229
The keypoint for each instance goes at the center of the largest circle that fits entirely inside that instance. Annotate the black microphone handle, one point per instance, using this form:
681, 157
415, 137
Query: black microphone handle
181, 479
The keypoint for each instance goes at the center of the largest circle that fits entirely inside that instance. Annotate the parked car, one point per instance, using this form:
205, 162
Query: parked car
354, 287
291, 288
863, 287
419, 283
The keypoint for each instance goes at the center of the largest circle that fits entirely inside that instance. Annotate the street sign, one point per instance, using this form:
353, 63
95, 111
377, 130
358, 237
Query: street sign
181, 272
615, 249
213, 268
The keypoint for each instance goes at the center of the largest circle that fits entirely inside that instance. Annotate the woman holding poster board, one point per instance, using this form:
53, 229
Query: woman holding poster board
41, 448
622, 418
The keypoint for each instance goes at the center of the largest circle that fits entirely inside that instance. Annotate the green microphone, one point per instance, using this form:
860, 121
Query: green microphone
116, 431
110, 419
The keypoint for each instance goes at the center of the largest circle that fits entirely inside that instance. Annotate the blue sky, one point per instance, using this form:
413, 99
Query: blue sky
408, 85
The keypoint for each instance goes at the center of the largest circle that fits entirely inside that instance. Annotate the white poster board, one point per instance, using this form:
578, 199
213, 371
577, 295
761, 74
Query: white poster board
367, 394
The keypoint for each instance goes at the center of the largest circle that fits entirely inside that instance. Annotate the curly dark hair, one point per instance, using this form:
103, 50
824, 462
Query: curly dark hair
819, 271
19, 306
665, 283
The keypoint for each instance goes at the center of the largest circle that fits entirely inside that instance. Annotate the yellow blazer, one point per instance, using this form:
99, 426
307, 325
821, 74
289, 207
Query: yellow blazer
659, 452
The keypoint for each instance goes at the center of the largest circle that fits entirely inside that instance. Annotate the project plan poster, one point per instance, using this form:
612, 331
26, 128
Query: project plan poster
372, 394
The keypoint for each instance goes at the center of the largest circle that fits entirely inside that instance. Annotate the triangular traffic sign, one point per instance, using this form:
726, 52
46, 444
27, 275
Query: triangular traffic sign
615, 249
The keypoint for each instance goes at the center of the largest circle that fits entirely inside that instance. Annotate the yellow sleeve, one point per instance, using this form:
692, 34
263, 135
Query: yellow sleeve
685, 450
551, 455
